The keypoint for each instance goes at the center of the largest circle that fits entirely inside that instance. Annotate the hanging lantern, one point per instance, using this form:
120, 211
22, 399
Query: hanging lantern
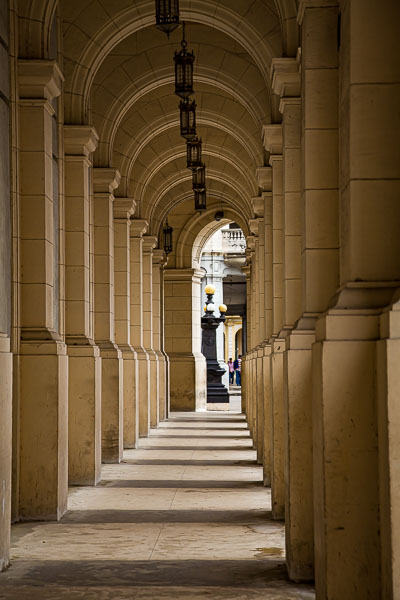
199, 179
184, 70
193, 148
187, 109
200, 200
167, 231
167, 15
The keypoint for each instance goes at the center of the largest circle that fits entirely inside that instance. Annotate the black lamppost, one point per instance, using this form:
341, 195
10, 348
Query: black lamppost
216, 391
167, 15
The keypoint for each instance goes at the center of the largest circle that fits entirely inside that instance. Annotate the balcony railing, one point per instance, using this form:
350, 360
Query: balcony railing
233, 241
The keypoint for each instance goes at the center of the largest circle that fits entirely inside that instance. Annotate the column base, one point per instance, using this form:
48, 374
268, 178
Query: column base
188, 381
267, 415
162, 375
130, 396
44, 430
299, 523
278, 431
84, 414
143, 362
154, 388
6, 384
111, 402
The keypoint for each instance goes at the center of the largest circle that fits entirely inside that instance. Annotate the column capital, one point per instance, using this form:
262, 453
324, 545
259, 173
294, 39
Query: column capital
159, 257
258, 206
251, 240
305, 4
264, 178
105, 180
288, 102
247, 271
39, 79
273, 138
138, 227
123, 208
177, 275
149, 242
285, 76
80, 140
253, 226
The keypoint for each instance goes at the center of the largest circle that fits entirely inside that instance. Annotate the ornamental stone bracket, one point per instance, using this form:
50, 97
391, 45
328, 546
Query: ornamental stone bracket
39, 79
273, 139
138, 227
124, 208
105, 180
80, 140
258, 206
264, 178
285, 75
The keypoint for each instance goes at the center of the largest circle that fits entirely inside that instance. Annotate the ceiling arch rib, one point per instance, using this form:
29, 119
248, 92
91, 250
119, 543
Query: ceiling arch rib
141, 15
138, 188
195, 231
125, 160
219, 194
185, 177
121, 106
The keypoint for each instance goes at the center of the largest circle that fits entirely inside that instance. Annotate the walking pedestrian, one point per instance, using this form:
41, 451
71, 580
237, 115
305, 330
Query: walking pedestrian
231, 371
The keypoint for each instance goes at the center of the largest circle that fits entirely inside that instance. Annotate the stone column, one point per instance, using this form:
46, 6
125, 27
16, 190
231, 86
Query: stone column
264, 207
347, 442
183, 339
246, 359
6, 370
138, 228
43, 384
84, 373
104, 183
149, 243
159, 261
273, 144
123, 209
320, 270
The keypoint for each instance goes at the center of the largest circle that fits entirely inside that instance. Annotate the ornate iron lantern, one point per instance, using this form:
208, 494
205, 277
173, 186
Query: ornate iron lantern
187, 109
200, 200
184, 70
193, 148
167, 15
199, 179
167, 233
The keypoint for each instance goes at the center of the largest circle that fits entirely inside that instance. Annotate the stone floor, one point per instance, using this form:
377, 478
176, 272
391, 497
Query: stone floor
183, 516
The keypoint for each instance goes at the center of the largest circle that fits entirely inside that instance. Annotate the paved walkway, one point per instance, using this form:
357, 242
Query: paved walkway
184, 516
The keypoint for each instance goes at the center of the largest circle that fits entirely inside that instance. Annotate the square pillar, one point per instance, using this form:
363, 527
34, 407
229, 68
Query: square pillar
149, 243
123, 209
84, 373
138, 228
159, 262
104, 183
183, 339
43, 361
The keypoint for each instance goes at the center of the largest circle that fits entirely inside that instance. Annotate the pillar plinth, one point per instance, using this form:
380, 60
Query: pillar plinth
104, 183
